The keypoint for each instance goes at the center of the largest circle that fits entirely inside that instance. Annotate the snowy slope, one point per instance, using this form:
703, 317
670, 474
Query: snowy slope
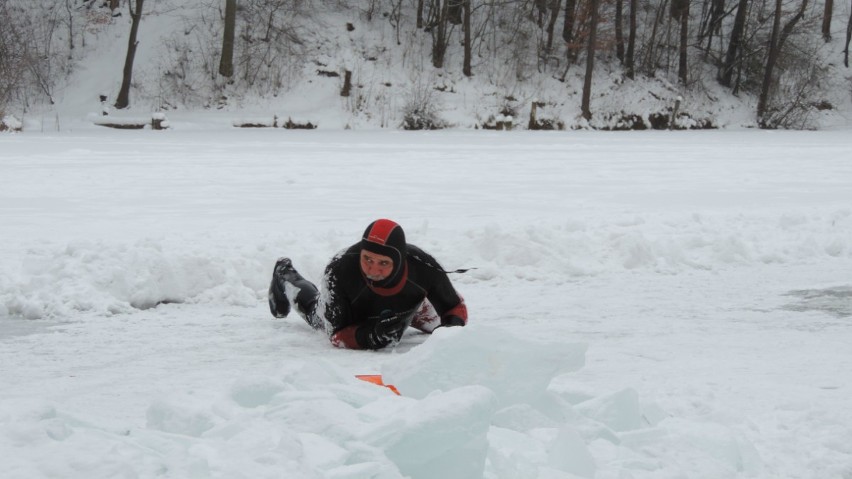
389, 69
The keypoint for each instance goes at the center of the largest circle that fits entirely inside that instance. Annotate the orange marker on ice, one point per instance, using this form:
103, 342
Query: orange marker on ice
377, 379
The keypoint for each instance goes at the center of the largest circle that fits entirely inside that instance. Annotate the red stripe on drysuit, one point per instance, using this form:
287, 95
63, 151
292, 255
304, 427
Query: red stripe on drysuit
345, 338
459, 310
380, 231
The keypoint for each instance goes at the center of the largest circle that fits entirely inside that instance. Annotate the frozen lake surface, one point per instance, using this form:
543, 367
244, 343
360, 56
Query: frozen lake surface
644, 305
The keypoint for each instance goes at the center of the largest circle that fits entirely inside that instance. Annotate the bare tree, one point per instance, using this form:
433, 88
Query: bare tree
454, 11
680, 11
226, 61
590, 60
440, 33
70, 28
12, 57
826, 20
42, 62
123, 99
568, 22
631, 41
651, 50
467, 53
713, 25
619, 31
268, 47
776, 45
551, 24
771, 59
734, 45
848, 37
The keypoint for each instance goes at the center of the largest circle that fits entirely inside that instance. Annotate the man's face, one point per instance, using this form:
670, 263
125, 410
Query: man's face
375, 267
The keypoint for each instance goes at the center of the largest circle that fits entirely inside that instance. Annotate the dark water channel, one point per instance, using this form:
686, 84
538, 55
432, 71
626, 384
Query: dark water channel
836, 301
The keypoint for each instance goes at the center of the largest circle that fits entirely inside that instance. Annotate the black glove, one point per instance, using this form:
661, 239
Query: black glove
378, 332
279, 305
452, 321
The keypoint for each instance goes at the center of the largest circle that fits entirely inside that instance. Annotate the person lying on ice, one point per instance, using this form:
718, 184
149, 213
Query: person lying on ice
372, 291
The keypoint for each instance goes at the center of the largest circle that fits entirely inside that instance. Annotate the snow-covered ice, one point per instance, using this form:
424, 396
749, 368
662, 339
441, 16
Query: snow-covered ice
644, 305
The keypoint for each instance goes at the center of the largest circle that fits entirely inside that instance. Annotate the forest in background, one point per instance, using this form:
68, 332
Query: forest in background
787, 59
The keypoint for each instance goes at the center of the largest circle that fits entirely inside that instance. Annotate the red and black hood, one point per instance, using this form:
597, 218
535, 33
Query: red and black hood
386, 238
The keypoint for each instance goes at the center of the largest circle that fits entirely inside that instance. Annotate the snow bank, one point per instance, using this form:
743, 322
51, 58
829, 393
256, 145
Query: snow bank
56, 281
115, 279
584, 247
476, 402
10, 123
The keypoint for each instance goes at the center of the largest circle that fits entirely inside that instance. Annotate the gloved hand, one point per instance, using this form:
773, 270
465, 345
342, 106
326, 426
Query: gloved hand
279, 305
452, 321
283, 268
380, 331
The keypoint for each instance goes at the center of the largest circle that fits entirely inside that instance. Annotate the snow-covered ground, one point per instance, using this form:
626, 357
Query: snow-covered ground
645, 305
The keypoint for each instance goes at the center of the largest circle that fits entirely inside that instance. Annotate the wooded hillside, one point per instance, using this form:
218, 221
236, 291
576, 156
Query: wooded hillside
786, 59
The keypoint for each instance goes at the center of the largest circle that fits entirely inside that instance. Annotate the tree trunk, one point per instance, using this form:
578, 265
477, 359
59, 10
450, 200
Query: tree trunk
541, 8
455, 11
714, 25
826, 20
651, 51
631, 41
70, 29
347, 83
727, 72
551, 25
123, 100
776, 45
590, 61
771, 59
419, 14
467, 47
848, 38
439, 38
619, 32
568, 23
684, 39
788, 27
226, 62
